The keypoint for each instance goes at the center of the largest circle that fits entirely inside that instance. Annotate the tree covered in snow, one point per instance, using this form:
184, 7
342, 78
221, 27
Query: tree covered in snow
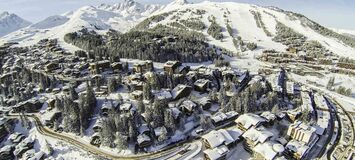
111, 85
215, 30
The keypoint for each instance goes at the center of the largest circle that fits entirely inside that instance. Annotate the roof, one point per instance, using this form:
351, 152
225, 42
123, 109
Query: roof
258, 135
143, 138
178, 89
158, 131
201, 82
188, 104
297, 147
216, 153
268, 115
249, 119
163, 94
126, 106
217, 138
171, 63
269, 150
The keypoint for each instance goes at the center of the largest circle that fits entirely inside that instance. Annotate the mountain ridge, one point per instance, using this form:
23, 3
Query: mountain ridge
10, 22
247, 21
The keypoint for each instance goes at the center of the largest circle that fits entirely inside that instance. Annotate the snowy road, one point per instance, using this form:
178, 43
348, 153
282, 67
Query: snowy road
97, 151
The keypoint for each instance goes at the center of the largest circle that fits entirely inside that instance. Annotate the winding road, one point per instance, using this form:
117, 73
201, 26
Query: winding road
97, 151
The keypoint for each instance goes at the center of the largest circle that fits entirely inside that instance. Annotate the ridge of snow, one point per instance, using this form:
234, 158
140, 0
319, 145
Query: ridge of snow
10, 22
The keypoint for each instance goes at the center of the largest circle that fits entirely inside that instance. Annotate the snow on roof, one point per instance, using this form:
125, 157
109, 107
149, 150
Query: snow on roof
268, 115
216, 153
269, 150
163, 94
189, 105
249, 119
178, 89
298, 147
258, 135
217, 138
320, 102
126, 106
220, 116
176, 112
171, 63
158, 131
214, 138
109, 105
142, 138
322, 121
201, 82
307, 103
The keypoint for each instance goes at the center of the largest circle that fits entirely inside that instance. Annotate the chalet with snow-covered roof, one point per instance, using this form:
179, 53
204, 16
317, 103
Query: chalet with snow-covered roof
98, 125
163, 94
270, 117
108, 107
220, 117
117, 66
137, 95
188, 107
217, 138
181, 91
126, 107
100, 66
142, 67
246, 121
143, 140
218, 153
95, 139
29, 106
296, 150
170, 67
205, 103
269, 151
202, 85
254, 136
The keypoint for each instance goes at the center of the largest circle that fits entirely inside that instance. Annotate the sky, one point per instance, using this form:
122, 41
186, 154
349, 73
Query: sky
331, 13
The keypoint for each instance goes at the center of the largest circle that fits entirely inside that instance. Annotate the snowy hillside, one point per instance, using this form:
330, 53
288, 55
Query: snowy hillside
10, 22
250, 23
121, 17
346, 32
243, 23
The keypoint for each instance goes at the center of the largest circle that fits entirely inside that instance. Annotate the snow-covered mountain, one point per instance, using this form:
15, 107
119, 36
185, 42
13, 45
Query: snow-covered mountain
247, 21
122, 17
10, 22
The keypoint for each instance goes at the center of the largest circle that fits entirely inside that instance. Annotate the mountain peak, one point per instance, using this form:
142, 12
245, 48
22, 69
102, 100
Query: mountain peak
4, 14
10, 22
180, 2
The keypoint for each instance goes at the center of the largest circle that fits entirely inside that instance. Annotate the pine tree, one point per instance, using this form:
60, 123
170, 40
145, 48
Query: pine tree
72, 93
140, 106
132, 131
108, 130
111, 85
169, 121
120, 141
147, 91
